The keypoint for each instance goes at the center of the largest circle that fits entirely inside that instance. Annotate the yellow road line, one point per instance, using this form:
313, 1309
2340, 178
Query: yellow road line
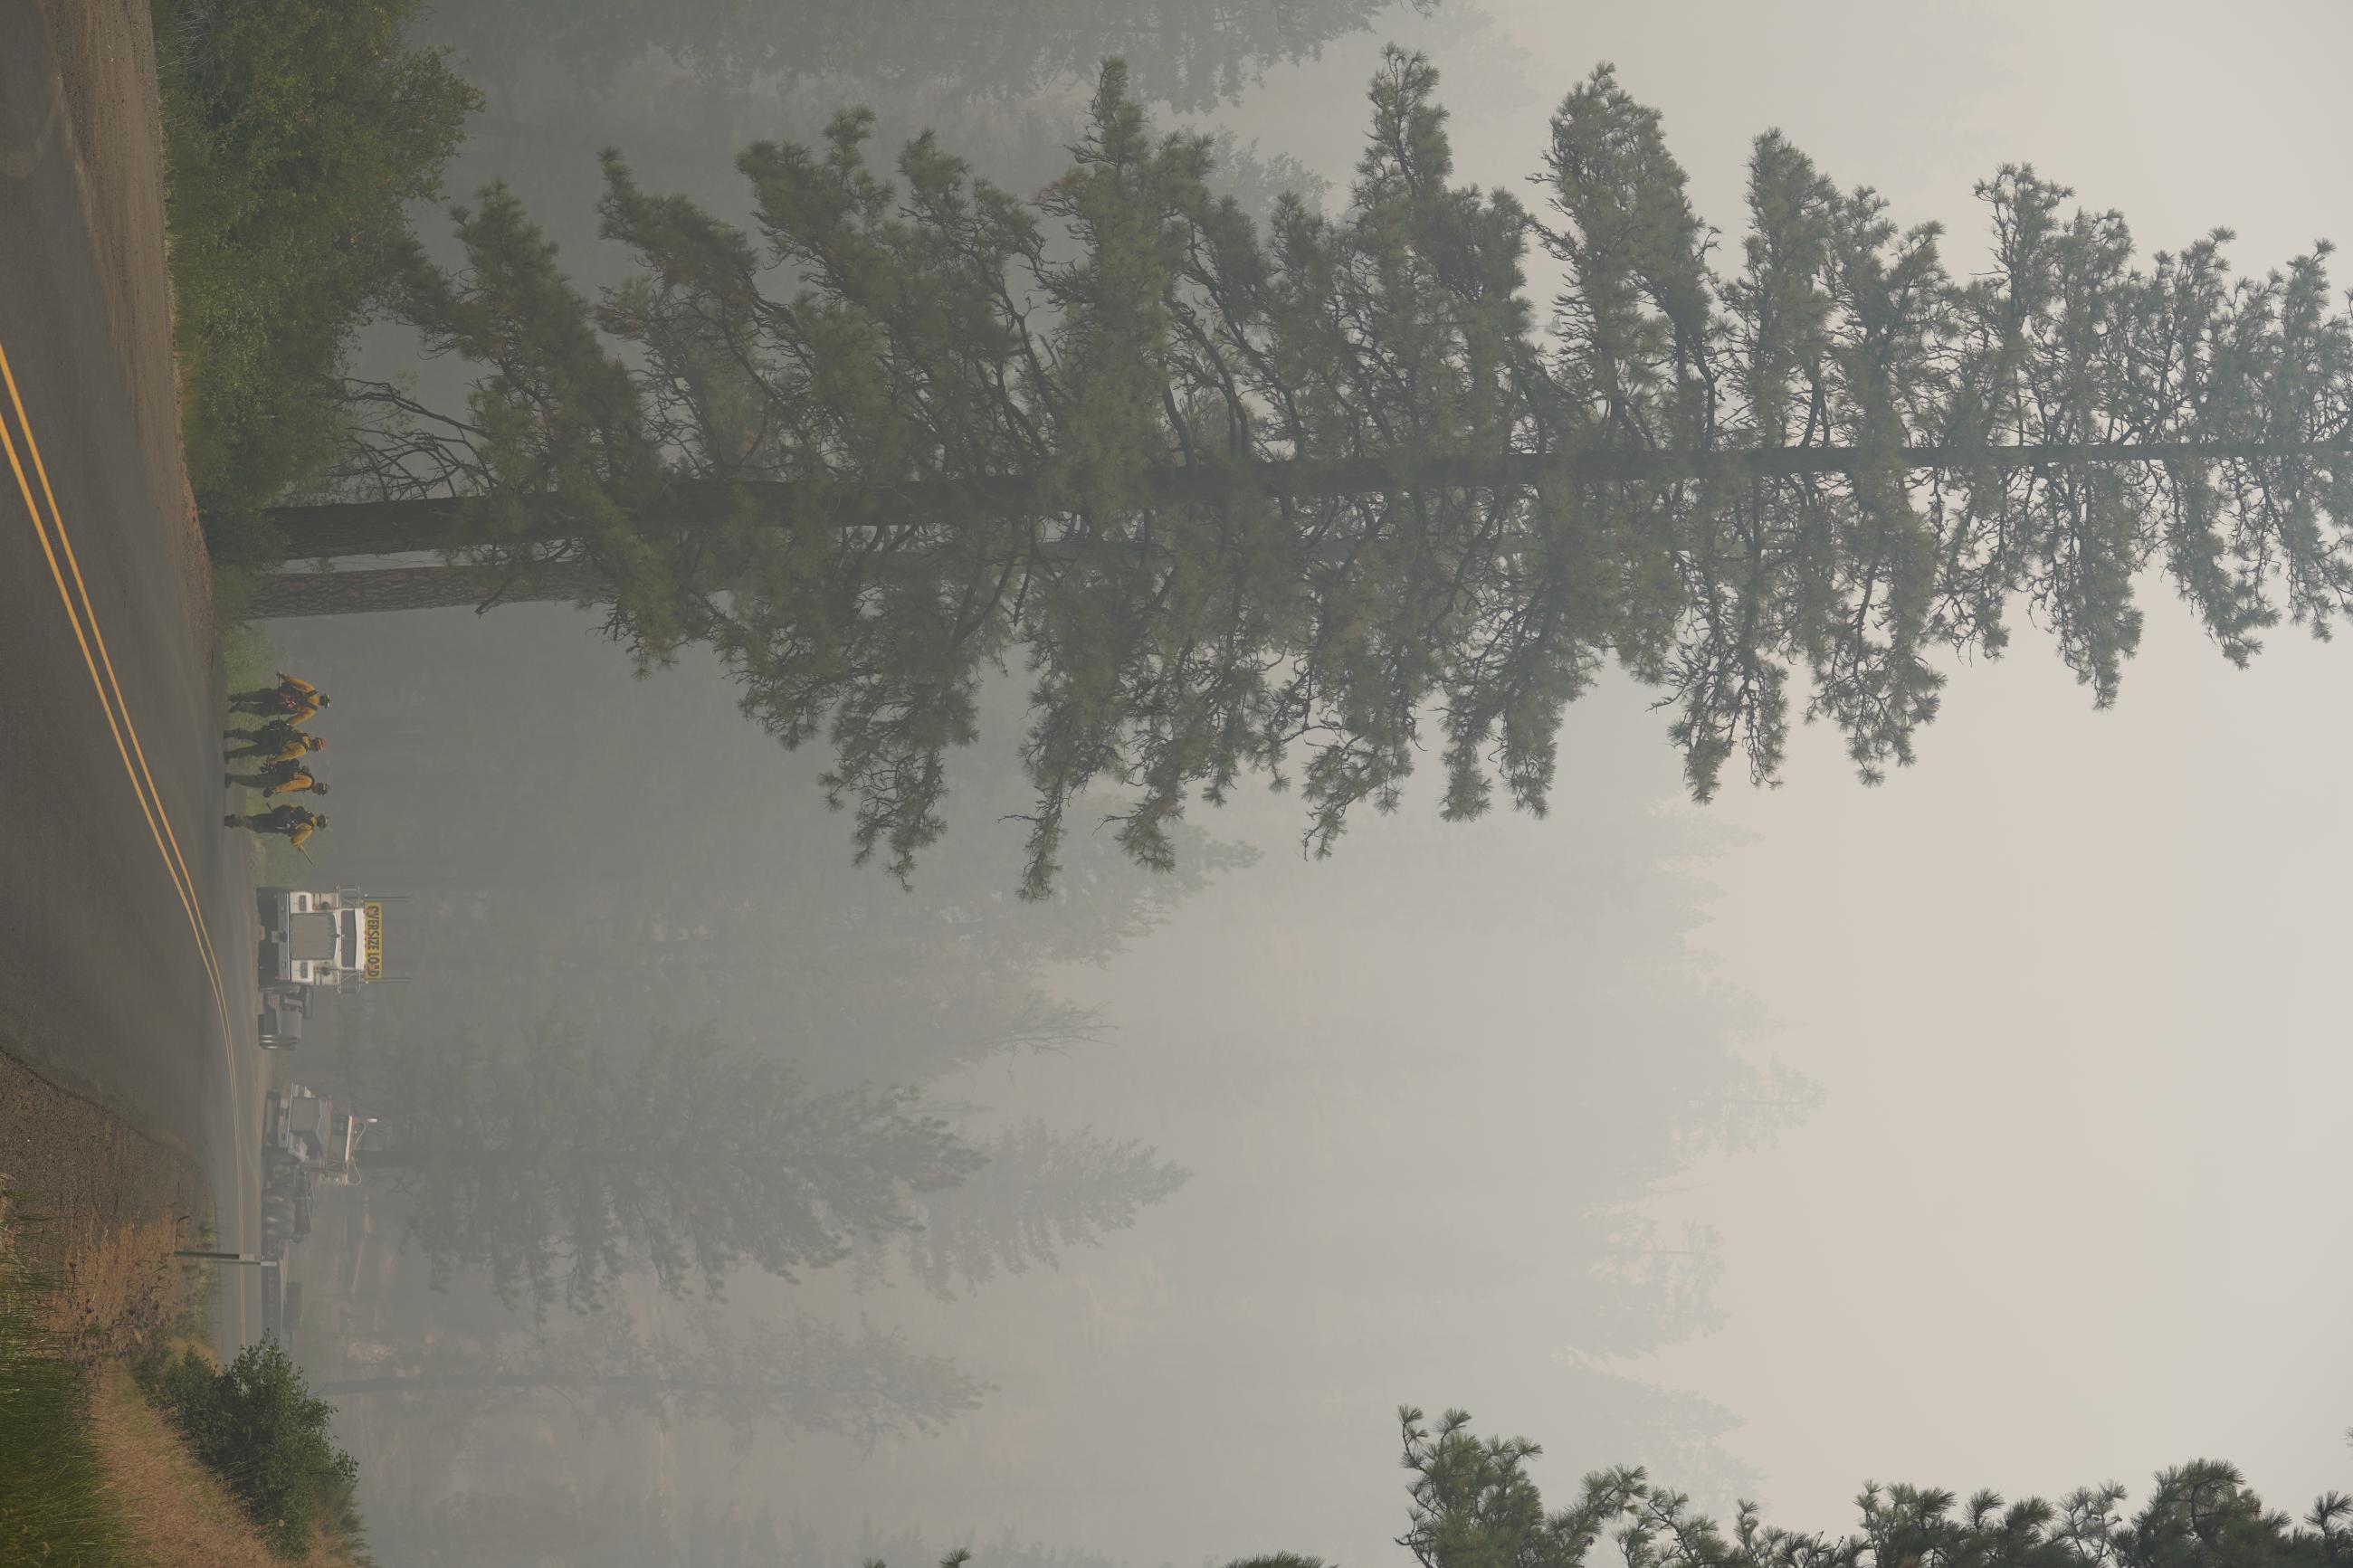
65, 539
65, 598
117, 715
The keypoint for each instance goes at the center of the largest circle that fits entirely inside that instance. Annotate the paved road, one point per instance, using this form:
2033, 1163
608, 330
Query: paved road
126, 942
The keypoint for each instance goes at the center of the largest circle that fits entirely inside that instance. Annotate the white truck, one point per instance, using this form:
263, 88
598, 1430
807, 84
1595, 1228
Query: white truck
304, 1144
305, 1134
319, 939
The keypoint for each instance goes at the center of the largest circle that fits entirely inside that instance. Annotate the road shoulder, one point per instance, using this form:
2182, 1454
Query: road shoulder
85, 1167
105, 54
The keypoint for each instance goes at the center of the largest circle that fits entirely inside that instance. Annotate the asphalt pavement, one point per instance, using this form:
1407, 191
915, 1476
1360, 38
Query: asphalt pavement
126, 930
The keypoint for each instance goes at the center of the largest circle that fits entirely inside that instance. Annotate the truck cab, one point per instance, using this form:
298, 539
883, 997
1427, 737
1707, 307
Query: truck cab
328, 939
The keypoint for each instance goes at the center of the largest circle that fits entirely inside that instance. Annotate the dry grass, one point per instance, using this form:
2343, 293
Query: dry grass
120, 1289
176, 1515
73, 1161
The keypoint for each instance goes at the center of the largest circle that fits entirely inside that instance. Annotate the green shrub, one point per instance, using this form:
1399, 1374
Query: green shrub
257, 1427
296, 133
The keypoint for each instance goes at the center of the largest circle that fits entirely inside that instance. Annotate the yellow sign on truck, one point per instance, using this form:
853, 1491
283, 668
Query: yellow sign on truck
375, 946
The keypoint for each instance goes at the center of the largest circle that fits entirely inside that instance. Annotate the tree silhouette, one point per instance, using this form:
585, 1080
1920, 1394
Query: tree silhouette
1474, 1502
1190, 54
1297, 500
1041, 1191
1645, 1290
553, 1162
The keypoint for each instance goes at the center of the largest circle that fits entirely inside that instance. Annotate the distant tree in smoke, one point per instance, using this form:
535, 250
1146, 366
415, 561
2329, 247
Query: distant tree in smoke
1190, 54
796, 1374
568, 1525
1649, 1289
1039, 1192
553, 1162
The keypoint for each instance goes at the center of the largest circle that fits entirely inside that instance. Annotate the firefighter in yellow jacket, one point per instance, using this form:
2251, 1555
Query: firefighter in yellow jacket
282, 778
292, 696
285, 779
296, 822
291, 746
269, 735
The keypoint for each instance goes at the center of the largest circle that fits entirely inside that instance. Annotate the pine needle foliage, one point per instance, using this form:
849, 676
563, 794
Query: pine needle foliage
1473, 1505
1307, 499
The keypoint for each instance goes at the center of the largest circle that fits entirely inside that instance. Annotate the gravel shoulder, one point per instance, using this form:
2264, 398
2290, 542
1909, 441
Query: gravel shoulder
105, 51
73, 1166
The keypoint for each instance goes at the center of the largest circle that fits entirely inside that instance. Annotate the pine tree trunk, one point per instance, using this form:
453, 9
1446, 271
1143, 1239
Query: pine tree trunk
437, 1382
385, 528
291, 594
423, 1381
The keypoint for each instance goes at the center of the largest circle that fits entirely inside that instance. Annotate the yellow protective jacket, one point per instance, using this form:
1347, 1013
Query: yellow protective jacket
305, 713
300, 834
294, 683
292, 784
293, 751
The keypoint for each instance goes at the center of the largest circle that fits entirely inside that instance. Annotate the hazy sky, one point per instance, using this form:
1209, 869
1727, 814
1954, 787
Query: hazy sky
2074, 1205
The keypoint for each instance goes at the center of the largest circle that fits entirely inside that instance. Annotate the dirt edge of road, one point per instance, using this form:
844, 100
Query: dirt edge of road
76, 1167
105, 51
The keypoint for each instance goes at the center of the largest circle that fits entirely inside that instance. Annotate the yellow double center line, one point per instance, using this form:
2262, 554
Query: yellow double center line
55, 543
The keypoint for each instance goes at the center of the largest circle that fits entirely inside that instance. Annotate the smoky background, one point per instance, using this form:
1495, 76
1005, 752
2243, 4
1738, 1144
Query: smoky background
1983, 1129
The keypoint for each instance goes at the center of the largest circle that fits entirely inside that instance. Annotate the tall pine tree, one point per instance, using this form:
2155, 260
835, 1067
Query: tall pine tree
1296, 499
